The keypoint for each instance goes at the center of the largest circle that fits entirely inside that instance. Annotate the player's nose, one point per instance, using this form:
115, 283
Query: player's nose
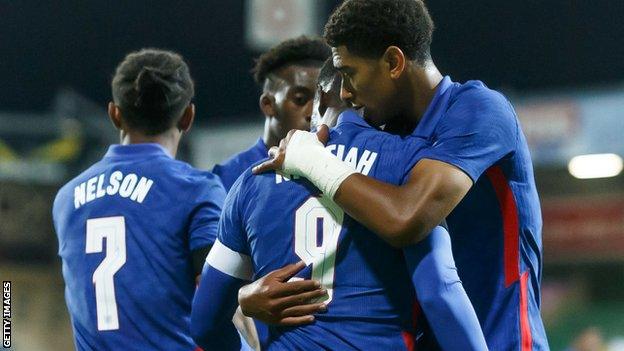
346, 95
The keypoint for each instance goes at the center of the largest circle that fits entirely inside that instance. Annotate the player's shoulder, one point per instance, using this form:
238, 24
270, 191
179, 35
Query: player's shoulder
185, 174
66, 192
248, 179
475, 94
267, 185
476, 107
68, 188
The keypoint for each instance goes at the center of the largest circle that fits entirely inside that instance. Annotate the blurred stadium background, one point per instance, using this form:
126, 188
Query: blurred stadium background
560, 62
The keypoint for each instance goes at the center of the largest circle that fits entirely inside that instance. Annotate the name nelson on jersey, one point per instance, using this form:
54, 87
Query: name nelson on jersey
362, 164
128, 186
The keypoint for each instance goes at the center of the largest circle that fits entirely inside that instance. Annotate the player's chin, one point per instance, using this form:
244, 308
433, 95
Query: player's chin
373, 118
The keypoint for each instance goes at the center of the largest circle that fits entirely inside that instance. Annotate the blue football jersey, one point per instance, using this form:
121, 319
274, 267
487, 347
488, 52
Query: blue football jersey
126, 228
232, 168
496, 228
277, 221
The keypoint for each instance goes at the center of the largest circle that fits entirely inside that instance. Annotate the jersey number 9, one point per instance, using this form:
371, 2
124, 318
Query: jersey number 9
318, 222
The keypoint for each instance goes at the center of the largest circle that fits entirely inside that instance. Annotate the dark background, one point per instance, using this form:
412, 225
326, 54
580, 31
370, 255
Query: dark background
529, 45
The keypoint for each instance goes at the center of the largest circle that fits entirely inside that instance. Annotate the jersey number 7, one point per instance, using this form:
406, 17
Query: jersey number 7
318, 222
114, 230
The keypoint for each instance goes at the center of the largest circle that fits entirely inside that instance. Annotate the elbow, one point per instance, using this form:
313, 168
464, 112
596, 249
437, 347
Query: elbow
401, 232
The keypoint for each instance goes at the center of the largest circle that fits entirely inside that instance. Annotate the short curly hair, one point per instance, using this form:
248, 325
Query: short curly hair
368, 27
298, 50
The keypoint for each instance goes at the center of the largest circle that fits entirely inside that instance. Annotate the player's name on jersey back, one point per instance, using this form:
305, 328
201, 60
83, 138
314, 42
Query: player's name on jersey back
127, 186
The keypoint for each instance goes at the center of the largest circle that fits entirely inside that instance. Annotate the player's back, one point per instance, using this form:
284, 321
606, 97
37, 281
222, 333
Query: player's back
285, 221
126, 228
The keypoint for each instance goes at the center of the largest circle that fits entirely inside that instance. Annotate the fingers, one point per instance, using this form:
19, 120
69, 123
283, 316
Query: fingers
300, 299
323, 134
288, 271
295, 321
299, 311
269, 165
295, 288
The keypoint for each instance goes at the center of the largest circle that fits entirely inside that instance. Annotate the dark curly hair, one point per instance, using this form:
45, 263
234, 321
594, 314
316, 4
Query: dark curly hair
152, 88
298, 50
368, 27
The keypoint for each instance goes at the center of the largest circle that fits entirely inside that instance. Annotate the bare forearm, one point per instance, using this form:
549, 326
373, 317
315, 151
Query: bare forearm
404, 215
386, 209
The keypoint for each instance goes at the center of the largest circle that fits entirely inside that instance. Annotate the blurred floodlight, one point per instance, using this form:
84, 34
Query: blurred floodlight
595, 166
269, 22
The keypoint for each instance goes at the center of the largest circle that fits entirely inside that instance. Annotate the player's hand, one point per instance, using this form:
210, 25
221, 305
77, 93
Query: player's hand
277, 154
273, 300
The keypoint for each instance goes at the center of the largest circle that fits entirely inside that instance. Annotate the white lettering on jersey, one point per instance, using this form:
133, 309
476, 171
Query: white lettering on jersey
128, 186
361, 161
365, 163
284, 178
115, 178
79, 195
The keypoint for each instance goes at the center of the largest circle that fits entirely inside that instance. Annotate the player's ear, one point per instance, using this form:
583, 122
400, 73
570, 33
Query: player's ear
395, 61
267, 104
114, 114
186, 121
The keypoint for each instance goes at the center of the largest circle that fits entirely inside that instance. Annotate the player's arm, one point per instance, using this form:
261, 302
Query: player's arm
274, 300
472, 137
215, 300
401, 215
405, 214
441, 294
204, 223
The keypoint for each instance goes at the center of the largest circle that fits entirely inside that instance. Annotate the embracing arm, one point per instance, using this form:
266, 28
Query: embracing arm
441, 294
214, 305
401, 215
405, 214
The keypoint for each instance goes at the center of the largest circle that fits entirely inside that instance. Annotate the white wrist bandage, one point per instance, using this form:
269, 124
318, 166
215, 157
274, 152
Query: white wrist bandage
306, 156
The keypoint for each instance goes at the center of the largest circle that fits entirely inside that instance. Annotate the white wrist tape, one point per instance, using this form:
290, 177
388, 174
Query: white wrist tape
306, 156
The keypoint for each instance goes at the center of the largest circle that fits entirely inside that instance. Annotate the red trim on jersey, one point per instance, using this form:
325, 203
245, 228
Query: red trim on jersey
409, 341
526, 340
509, 212
408, 338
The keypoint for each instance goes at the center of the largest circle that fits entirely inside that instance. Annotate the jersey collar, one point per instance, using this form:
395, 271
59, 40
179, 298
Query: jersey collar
260, 145
432, 115
143, 149
351, 116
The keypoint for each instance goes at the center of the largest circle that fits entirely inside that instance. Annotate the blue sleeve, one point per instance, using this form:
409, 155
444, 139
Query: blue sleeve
206, 214
231, 231
478, 130
214, 304
441, 294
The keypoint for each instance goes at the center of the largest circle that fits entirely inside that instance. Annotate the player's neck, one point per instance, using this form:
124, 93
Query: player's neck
169, 139
270, 139
422, 82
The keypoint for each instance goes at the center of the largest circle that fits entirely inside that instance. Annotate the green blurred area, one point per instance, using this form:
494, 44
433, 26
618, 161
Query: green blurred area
607, 317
